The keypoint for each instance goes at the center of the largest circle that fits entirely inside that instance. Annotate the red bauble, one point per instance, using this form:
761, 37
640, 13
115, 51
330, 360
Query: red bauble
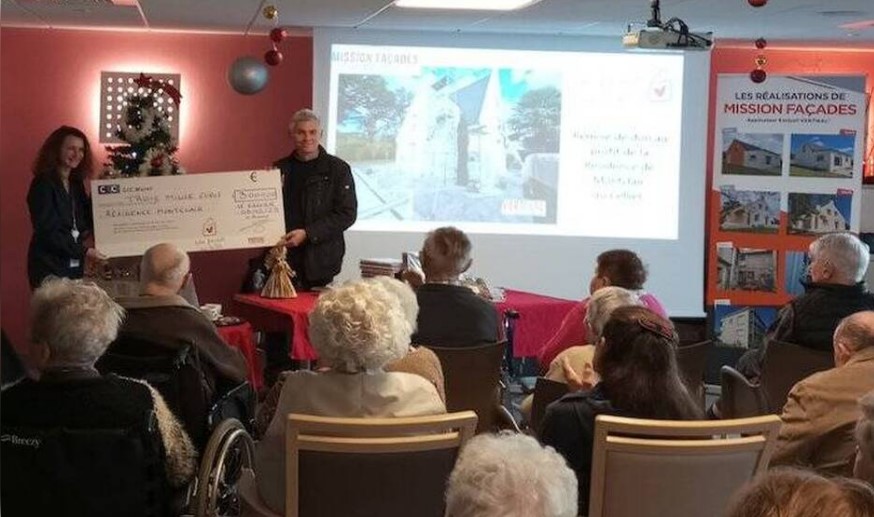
757, 3
278, 34
273, 57
758, 76
157, 161
761, 43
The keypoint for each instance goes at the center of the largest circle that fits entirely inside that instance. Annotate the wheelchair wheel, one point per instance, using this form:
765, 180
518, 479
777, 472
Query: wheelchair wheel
230, 448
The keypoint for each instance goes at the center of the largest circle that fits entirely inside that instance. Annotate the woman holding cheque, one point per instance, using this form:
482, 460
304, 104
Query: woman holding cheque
60, 210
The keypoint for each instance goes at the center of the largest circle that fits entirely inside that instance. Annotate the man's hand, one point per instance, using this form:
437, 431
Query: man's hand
294, 238
579, 381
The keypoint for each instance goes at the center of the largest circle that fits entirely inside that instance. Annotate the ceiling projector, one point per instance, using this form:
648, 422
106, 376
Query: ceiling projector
667, 39
673, 34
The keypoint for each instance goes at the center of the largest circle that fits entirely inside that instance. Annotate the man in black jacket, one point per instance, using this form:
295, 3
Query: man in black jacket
320, 203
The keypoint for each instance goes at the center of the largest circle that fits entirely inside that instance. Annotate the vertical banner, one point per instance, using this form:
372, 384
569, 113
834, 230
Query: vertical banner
787, 167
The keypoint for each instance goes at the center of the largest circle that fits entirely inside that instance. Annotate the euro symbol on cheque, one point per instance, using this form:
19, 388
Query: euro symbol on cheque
254, 176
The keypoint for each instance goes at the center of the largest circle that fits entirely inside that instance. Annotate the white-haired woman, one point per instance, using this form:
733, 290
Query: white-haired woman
72, 324
510, 475
356, 329
574, 364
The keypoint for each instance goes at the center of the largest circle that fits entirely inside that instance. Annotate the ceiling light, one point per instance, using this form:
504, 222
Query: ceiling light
481, 5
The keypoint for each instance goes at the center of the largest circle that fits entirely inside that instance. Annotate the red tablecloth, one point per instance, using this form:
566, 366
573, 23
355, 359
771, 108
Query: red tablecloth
241, 337
539, 318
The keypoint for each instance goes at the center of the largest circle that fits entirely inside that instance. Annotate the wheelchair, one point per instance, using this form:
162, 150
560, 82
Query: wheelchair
117, 471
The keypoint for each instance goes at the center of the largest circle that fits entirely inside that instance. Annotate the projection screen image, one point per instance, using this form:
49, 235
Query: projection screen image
518, 142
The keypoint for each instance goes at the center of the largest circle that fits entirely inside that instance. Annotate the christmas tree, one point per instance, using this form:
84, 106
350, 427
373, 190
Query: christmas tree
149, 148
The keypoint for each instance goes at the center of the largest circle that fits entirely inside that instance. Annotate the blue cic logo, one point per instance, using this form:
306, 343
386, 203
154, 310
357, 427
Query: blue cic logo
112, 188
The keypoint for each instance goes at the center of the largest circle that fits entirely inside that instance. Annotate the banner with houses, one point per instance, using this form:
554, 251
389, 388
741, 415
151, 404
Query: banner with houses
787, 167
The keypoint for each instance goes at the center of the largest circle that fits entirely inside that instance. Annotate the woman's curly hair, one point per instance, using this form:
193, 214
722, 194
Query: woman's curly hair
359, 326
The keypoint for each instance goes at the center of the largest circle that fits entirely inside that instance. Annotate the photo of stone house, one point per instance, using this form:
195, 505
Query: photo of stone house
746, 269
818, 213
749, 211
829, 156
752, 154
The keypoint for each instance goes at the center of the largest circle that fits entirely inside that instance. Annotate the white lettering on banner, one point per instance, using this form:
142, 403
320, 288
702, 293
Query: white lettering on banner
196, 212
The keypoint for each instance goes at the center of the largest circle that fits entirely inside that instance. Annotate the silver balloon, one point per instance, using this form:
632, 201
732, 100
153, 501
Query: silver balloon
248, 75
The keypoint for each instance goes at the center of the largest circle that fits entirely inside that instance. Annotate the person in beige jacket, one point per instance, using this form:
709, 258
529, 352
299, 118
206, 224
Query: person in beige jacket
356, 329
822, 410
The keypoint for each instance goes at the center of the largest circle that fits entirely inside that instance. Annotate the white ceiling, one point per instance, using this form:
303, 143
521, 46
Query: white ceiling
796, 20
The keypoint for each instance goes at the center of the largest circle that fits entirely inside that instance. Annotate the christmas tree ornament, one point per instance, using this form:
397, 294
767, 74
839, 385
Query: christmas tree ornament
273, 57
758, 76
270, 12
278, 34
761, 43
248, 75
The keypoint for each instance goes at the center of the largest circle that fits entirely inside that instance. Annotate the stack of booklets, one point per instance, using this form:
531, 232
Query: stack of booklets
380, 266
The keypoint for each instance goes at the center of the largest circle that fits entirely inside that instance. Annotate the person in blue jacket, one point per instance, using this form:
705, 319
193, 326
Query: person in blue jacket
60, 209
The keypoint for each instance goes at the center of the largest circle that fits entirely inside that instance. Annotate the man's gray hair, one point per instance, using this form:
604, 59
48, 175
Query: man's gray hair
304, 115
359, 326
168, 270
848, 254
602, 304
510, 475
75, 319
447, 251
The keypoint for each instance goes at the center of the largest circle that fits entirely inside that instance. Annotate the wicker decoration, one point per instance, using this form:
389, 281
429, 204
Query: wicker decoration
278, 285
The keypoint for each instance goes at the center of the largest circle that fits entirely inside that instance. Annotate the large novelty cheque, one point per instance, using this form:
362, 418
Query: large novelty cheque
196, 212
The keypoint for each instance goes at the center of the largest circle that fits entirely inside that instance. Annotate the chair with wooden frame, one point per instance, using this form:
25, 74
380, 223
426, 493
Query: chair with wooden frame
371, 466
652, 468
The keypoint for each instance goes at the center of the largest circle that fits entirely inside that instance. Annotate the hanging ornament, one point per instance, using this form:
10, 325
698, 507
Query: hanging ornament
248, 76
761, 43
273, 57
761, 61
758, 76
757, 3
278, 34
271, 12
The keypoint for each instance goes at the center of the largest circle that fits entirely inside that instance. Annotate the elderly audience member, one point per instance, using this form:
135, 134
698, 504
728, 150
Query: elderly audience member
620, 268
864, 465
510, 475
161, 314
822, 409
576, 361
788, 492
72, 323
356, 329
636, 360
835, 289
451, 314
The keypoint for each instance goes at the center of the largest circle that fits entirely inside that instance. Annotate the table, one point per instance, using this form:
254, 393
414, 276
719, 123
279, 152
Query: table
241, 337
539, 318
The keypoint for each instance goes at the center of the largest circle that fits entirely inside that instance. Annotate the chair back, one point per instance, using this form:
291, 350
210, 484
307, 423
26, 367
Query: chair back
94, 472
546, 392
472, 375
676, 468
784, 365
173, 369
371, 466
740, 398
692, 361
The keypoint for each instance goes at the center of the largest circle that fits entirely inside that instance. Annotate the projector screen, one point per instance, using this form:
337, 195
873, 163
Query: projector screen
547, 151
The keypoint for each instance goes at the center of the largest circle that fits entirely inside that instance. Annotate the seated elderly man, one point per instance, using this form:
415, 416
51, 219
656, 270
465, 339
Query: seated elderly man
835, 289
450, 314
822, 410
161, 314
510, 475
72, 323
357, 329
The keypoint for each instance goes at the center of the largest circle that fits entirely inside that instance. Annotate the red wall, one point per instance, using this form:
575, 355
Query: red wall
51, 77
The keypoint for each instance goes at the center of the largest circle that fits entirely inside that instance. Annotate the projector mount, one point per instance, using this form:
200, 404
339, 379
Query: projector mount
676, 26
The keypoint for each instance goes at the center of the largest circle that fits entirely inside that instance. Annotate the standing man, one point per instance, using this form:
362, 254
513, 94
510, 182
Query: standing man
320, 203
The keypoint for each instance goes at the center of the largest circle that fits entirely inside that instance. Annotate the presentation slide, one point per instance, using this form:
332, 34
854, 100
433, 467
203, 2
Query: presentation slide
509, 141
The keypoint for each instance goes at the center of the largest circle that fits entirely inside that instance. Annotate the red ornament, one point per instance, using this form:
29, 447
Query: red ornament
273, 57
157, 161
757, 3
278, 34
758, 76
761, 43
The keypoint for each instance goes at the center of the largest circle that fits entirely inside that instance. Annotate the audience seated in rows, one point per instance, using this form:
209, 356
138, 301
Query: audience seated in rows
356, 329
576, 361
621, 268
72, 324
822, 409
788, 492
510, 475
636, 361
450, 314
159, 313
833, 289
